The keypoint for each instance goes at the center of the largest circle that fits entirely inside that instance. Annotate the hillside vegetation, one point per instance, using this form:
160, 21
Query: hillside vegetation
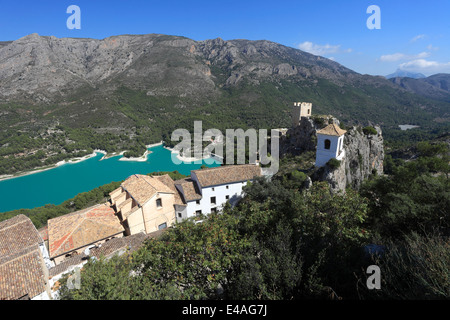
286, 241
62, 98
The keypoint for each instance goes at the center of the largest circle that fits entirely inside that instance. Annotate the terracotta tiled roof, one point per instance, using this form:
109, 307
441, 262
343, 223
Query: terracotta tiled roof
107, 249
125, 203
167, 180
142, 187
189, 189
23, 274
21, 263
16, 234
67, 263
332, 130
82, 228
112, 246
115, 190
227, 174
44, 233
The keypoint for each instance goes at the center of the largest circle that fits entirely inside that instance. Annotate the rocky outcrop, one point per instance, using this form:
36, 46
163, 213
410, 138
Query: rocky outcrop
364, 153
303, 138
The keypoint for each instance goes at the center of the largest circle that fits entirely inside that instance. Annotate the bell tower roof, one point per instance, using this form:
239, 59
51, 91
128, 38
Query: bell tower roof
332, 130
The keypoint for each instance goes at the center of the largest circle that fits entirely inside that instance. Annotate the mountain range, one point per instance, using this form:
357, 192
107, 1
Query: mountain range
122, 92
403, 73
434, 87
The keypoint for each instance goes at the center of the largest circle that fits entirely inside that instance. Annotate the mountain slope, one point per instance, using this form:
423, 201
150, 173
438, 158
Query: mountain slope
60, 97
434, 87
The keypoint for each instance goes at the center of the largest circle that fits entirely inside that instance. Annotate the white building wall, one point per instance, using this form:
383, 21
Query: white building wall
336, 149
232, 190
42, 296
45, 255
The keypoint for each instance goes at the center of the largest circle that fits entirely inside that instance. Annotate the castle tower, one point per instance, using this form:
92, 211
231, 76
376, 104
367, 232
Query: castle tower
330, 144
300, 109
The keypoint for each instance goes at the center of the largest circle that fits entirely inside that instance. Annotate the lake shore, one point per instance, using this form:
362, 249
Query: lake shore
60, 163
143, 158
185, 159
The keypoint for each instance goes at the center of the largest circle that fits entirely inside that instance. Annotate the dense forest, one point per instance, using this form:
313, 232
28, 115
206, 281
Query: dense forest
288, 241
39, 136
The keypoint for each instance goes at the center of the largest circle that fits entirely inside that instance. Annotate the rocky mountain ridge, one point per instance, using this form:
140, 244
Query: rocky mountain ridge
63, 97
435, 87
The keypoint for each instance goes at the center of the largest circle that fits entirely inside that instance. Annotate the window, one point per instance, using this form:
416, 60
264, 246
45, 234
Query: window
198, 213
227, 197
197, 201
309, 111
162, 226
213, 200
228, 187
158, 203
327, 144
212, 189
179, 214
213, 210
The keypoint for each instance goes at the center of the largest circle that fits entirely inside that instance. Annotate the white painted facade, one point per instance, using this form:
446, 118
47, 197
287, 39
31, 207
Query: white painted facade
45, 255
221, 194
335, 148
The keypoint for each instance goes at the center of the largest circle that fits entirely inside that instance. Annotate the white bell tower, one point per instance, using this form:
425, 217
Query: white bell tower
330, 144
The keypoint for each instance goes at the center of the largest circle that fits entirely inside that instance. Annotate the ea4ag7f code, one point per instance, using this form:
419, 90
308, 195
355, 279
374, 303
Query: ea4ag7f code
259, 309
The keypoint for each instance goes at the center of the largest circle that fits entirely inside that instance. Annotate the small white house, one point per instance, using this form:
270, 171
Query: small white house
207, 190
330, 144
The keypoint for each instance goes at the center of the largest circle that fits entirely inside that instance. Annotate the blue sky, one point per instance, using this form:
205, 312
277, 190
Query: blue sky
414, 35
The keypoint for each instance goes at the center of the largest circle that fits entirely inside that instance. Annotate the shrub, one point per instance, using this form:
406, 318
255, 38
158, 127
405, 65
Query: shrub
369, 130
318, 121
333, 163
416, 268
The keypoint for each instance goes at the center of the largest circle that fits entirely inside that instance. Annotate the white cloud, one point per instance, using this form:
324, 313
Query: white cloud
418, 37
401, 56
431, 48
322, 50
426, 66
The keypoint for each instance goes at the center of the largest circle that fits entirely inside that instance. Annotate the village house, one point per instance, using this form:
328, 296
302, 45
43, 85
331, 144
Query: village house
110, 248
207, 190
24, 261
150, 203
71, 234
146, 203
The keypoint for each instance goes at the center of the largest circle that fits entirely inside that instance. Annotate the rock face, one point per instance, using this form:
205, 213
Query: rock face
435, 87
46, 68
303, 137
364, 153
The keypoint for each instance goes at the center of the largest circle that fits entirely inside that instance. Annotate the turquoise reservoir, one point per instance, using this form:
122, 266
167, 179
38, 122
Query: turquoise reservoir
56, 185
